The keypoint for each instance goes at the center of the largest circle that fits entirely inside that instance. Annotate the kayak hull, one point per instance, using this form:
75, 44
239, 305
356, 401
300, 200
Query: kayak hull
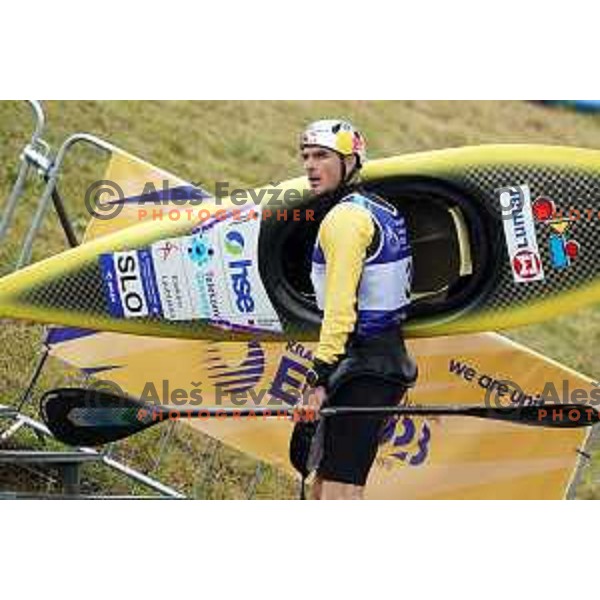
503, 236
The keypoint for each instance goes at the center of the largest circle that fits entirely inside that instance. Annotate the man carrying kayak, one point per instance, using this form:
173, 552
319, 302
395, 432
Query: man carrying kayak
361, 273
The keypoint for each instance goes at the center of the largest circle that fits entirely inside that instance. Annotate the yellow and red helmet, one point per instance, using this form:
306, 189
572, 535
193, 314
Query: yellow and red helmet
335, 134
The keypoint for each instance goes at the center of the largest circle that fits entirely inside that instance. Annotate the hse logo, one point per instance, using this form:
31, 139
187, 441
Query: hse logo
519, 232
241, 285
239, 271
234, 243
562, 249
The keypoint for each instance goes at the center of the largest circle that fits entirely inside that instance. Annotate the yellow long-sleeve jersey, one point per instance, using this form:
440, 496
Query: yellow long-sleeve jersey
344, 236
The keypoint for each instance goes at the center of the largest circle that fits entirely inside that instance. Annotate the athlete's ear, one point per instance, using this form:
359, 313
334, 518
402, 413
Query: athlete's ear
351, 162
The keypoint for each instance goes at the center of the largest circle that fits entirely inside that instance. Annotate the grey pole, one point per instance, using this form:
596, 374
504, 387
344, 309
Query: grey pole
29, 156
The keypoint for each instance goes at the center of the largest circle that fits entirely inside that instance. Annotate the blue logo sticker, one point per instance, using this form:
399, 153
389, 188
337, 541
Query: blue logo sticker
234, 243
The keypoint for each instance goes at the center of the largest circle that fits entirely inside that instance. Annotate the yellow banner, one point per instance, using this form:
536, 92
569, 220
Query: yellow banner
449, 457
143, 190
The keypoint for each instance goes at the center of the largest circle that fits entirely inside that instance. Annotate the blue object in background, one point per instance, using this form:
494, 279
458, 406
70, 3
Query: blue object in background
578, 105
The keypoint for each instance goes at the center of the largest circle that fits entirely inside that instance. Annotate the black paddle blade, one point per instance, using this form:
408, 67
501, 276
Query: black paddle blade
92, 417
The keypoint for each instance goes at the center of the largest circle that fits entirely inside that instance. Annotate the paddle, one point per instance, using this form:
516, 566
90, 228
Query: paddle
88, 417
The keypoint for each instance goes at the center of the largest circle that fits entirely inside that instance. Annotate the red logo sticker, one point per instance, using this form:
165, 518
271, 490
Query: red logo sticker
527, 264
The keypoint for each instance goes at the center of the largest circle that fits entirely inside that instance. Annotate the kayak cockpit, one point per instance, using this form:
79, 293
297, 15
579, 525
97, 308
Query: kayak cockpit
445, 233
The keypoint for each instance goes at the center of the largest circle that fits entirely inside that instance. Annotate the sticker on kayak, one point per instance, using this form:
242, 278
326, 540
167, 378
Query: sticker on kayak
519, 231
210, 275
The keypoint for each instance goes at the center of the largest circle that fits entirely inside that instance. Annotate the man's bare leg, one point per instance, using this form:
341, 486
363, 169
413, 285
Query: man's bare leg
317, 488
323, 489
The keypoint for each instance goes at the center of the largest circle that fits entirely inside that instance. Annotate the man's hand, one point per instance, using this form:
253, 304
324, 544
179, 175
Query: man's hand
311, 402
316, 397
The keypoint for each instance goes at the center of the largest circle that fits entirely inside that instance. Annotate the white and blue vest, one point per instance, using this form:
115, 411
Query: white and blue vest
385, 285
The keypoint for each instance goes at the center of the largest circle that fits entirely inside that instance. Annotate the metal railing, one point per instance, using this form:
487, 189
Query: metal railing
37, 157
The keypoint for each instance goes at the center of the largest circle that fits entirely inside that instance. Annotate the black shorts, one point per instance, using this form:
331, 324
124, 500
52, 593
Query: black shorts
375, 372
349, 444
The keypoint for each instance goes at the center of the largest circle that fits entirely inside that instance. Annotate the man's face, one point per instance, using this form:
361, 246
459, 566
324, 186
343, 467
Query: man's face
323, 168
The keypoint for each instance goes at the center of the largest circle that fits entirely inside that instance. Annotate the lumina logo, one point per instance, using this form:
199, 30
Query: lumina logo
234, 243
